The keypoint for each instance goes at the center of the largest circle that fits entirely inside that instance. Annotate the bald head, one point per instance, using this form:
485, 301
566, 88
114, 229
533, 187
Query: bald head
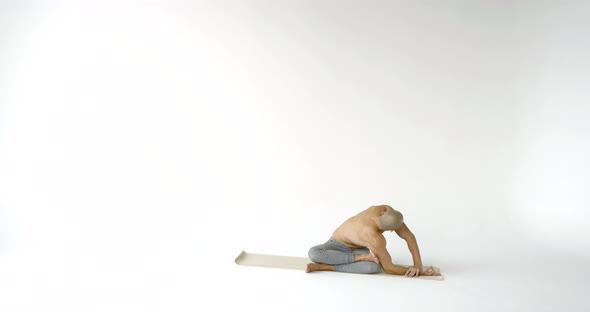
391, 220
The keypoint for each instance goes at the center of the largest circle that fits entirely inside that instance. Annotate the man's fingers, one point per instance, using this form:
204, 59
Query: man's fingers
413, 272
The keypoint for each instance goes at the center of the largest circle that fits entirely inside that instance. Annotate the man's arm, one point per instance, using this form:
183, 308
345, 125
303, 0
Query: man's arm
377, 245
404, 232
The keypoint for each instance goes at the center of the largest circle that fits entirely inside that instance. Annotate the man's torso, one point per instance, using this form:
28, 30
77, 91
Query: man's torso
357, 230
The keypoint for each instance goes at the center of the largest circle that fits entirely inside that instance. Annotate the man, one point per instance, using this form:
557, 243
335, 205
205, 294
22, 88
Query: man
358, 245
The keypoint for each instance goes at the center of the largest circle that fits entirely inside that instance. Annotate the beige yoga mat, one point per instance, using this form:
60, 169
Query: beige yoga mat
295, 263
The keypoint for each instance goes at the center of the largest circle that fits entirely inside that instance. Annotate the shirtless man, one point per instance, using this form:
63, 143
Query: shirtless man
358, 245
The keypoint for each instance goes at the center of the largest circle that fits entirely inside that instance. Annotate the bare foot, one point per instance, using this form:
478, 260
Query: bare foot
312, 266
375, 259
366, 257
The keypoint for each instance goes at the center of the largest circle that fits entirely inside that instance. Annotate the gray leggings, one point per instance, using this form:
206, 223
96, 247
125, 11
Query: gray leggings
342, 257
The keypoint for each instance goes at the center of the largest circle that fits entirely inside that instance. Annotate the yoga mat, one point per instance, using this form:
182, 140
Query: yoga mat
297, 263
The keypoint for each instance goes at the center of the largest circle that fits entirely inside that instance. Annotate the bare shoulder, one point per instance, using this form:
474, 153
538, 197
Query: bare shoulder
372, 238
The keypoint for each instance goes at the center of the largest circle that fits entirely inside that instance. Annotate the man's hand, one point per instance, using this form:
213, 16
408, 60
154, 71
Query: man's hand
414, 271
429, 271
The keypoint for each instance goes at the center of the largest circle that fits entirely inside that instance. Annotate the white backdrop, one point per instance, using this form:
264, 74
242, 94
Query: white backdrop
551, 176
177, 135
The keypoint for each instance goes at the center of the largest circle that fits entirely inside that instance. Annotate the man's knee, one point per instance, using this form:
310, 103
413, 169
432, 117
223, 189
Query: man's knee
369, 267
315, 253
360, 267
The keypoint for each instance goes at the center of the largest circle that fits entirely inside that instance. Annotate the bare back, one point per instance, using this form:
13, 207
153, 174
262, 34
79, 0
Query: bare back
357, 231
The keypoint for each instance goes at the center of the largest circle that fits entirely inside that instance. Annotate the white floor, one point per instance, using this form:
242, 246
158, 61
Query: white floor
506, 278
491, 276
